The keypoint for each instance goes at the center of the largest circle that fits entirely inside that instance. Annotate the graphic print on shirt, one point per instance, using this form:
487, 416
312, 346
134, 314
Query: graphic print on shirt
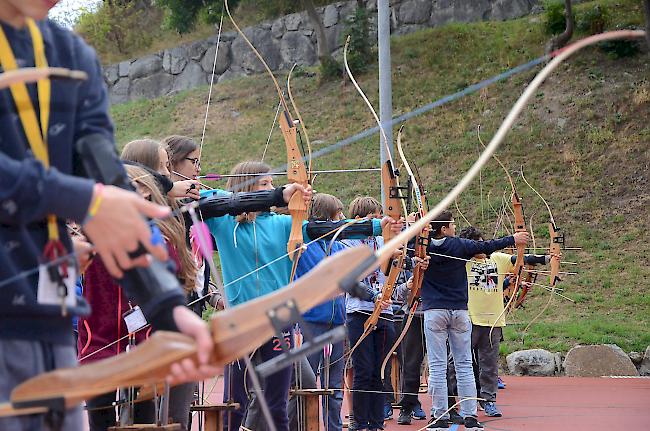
483, 276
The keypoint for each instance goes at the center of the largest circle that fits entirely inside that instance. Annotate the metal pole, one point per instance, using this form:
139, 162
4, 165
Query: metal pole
385, 89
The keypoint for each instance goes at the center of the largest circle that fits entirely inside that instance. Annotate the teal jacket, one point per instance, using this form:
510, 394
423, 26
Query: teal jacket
262, 245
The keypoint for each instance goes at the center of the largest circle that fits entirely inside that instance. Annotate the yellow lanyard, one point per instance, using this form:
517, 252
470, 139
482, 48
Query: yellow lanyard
36, 134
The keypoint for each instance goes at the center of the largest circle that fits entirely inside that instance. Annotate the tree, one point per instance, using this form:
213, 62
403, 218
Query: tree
561, 40
329, 67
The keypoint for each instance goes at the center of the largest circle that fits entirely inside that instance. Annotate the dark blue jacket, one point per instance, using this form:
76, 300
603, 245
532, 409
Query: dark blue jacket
28, 192
445, 281
331, 311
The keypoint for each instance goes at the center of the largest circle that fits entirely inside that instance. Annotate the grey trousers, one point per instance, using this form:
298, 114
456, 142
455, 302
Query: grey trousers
486, 359
20, 360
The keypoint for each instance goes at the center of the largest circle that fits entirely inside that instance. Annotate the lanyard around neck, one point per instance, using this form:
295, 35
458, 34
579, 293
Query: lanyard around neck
36, 133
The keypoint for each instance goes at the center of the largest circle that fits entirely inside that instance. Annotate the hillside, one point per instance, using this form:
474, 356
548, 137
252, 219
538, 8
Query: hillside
583, 144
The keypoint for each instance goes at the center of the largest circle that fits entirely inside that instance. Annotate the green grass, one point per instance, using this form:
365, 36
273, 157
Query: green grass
592, 169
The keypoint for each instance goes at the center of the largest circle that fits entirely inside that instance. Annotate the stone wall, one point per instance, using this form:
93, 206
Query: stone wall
283, 42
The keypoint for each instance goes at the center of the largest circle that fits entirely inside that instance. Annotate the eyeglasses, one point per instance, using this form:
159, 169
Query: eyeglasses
194, 160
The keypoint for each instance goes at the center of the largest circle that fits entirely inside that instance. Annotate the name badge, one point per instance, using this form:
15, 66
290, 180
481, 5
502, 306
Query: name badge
134, 319
51, 292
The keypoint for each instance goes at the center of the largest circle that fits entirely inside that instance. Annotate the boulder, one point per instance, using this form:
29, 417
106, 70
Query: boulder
223, 59
244, 58
295, 47
196, 50
111, 74
119, 93
636, 358
331, 15
123, 68
277, 28
598, 360
533, 362
151, 86
415, 11
509, 9
292, 22
174, 60
191, 77
644, 368
145, 66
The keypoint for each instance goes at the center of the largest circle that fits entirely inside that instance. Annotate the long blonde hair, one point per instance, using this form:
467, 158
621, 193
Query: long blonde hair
144, 151
173, 228
248, 175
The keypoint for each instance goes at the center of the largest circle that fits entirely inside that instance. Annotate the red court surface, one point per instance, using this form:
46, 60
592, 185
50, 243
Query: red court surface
552, 404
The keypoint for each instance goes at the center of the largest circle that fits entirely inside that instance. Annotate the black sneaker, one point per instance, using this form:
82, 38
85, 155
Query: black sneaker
439, 425
455, 418
404, 417
471, 424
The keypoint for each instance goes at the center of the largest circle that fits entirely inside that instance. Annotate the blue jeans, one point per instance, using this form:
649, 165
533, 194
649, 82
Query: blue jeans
333, 415
455, 325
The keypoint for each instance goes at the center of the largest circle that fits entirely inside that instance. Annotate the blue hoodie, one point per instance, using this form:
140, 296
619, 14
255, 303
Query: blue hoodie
444, 285
28, 192
332, 312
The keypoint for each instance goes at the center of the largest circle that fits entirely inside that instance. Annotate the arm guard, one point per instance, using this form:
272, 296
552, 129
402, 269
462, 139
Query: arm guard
238, 203
316, 229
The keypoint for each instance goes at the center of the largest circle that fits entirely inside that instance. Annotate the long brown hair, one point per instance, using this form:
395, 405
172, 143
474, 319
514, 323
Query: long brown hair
178, 147
143, 151
173, 228
248, 175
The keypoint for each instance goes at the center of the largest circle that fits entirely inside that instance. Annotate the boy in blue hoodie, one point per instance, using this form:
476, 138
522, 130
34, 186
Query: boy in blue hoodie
39, 192
444, 301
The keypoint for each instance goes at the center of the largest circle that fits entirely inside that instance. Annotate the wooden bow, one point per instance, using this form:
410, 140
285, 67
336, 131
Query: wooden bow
33, 74
421, 245
297, 172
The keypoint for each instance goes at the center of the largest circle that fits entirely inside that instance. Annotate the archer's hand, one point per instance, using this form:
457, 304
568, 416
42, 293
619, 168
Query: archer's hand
395, 225
409, 283
185, 189
189, 370
384, 303
521, 238
422, 263
118, 228
290, 189
83, 250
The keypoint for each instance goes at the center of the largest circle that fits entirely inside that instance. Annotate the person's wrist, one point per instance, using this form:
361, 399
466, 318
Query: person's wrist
95, 203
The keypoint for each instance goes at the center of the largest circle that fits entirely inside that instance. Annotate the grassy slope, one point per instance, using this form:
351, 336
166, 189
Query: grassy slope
583, 143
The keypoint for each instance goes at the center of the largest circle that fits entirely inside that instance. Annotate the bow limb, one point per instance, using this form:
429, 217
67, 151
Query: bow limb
236, 332
390, 175
296, 169
32, 74
555, 251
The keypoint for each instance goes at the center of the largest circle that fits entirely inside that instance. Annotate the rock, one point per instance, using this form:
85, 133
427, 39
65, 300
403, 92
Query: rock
331, 15
644, 369
415, 11
533, 362
123, 68
197, 49
509, 9
334, 38
598, 360
636, 358
244, 58
192, 76
151, 86
111, 74
119, 93
174, 60
292, 22
297, 48
223, 59
277, 29
145, 66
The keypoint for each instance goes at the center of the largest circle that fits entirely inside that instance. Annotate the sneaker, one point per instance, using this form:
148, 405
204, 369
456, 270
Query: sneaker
455, 418
404, 417
418, 413
439, 425
491, 409
471, 424
388, 412
500, 383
